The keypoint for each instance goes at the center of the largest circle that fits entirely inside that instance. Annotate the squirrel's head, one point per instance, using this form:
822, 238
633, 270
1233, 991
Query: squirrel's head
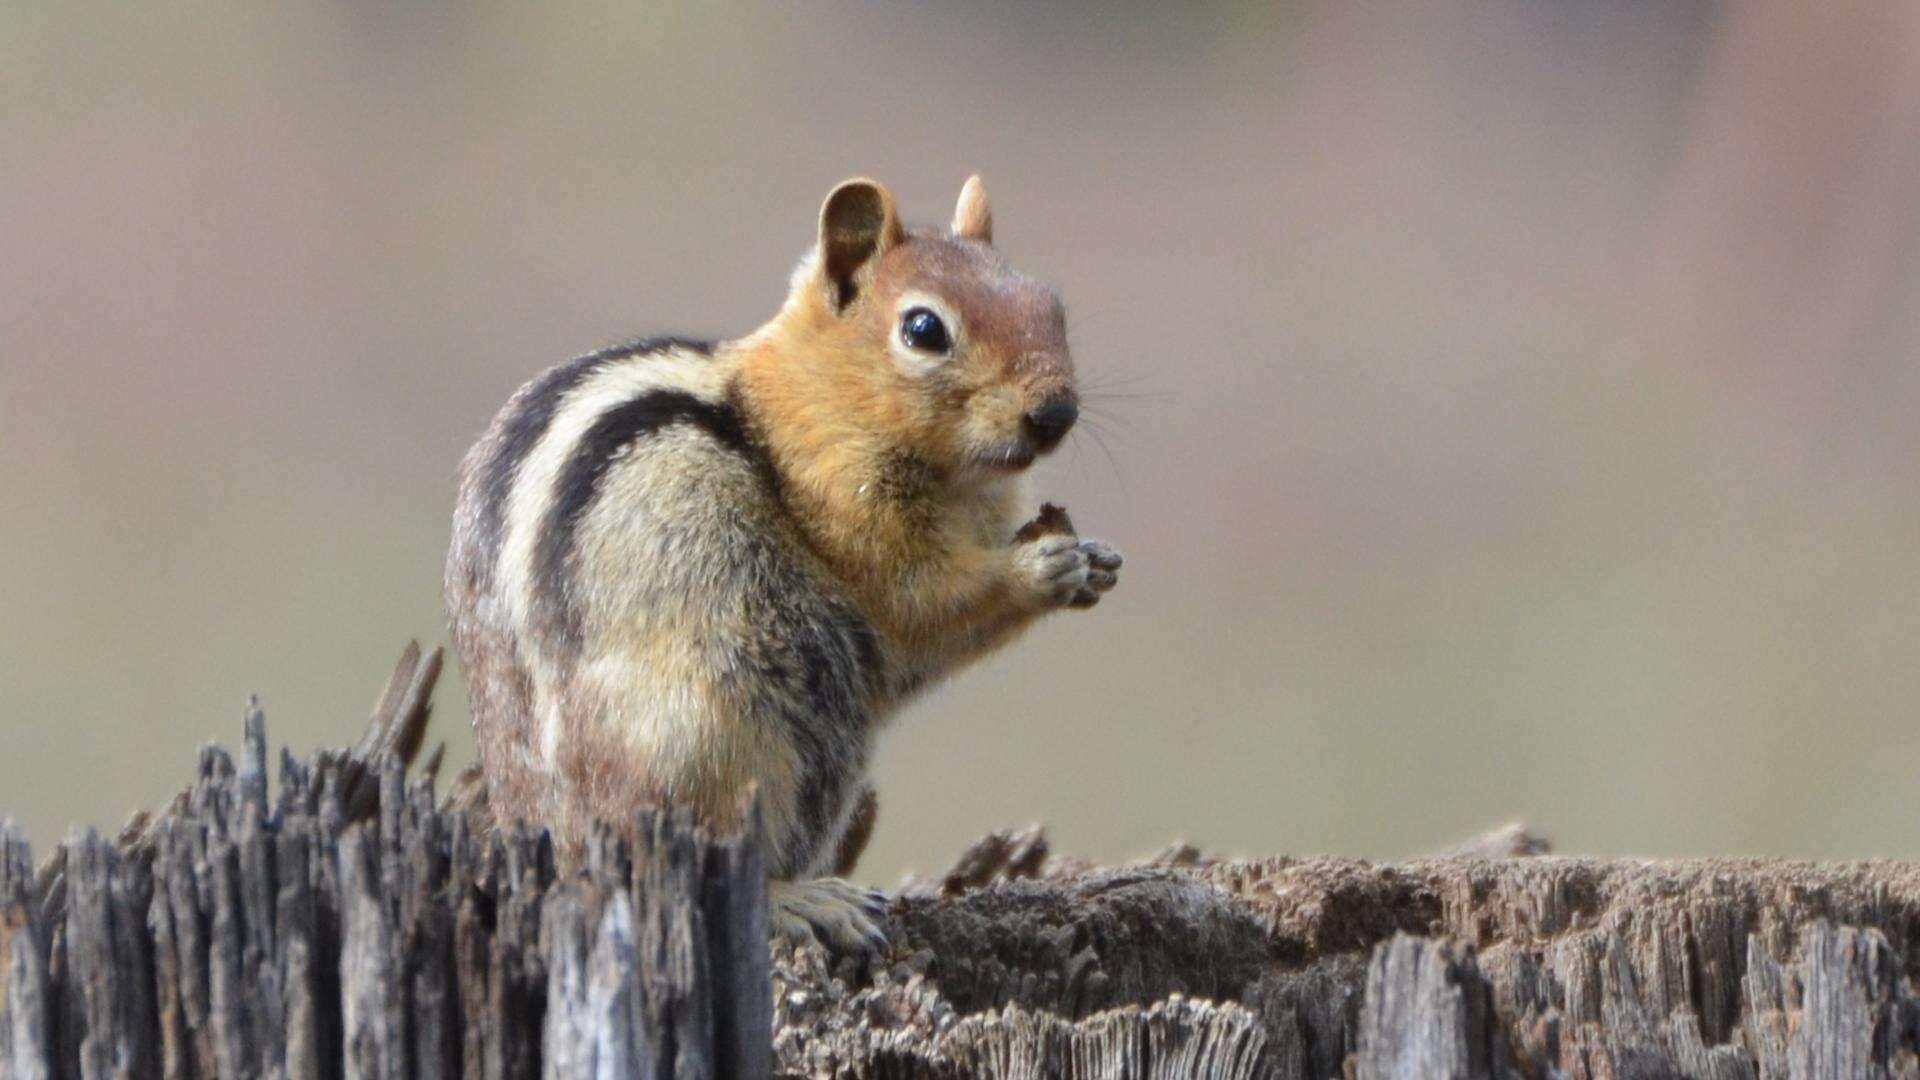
930, 338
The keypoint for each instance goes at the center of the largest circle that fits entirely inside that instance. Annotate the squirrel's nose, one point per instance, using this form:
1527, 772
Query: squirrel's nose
1048, 424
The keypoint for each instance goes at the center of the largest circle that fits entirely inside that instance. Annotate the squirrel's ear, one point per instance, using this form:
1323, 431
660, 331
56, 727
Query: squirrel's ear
972, 220
857, 225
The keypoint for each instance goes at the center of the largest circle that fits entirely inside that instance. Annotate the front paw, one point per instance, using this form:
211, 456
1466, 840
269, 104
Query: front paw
1058, 568
839, 914
1103, 573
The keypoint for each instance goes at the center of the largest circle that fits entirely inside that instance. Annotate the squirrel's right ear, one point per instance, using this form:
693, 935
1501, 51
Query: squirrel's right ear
972, 219
857, 225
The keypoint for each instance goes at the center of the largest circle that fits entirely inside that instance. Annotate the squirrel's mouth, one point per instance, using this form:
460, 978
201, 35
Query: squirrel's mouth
1010, 456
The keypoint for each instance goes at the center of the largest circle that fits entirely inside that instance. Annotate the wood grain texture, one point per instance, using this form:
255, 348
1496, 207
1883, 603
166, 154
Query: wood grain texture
343, 923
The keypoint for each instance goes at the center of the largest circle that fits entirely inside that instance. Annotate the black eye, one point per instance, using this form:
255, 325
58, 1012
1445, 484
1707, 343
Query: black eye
923, 330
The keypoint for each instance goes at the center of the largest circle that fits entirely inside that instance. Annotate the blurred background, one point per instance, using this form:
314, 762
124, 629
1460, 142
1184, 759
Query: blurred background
1508, 409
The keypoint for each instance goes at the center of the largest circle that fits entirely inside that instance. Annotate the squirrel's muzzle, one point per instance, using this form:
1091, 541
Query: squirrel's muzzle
1049, 423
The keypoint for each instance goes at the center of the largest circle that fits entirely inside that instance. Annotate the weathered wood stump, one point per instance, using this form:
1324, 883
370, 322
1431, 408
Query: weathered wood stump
352, 926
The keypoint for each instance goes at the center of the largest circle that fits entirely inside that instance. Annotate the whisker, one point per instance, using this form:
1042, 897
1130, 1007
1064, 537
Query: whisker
1079, 459
1100, 417
1099, 381
1112, 462
1101, 395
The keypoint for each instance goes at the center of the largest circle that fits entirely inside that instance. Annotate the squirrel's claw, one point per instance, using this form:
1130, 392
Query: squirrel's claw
842, 916
1068, 571
1101, 557
1102, 561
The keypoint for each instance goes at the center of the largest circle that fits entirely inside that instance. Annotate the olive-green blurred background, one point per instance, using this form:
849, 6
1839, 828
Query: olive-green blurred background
1508, 410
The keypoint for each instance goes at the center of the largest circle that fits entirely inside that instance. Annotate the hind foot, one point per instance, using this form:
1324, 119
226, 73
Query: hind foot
836, 913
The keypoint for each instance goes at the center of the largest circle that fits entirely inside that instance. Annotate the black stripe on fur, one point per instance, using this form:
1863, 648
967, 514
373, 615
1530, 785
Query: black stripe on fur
523, 428
579, 483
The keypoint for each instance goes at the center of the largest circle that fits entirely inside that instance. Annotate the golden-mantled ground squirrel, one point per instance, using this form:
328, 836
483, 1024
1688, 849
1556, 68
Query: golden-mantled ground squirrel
682, 569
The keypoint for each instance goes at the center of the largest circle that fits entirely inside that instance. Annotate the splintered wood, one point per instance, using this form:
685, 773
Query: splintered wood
349, 926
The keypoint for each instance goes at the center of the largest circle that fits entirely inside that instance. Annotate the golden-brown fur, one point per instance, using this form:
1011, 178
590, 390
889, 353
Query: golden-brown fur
927, 554
682, 572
